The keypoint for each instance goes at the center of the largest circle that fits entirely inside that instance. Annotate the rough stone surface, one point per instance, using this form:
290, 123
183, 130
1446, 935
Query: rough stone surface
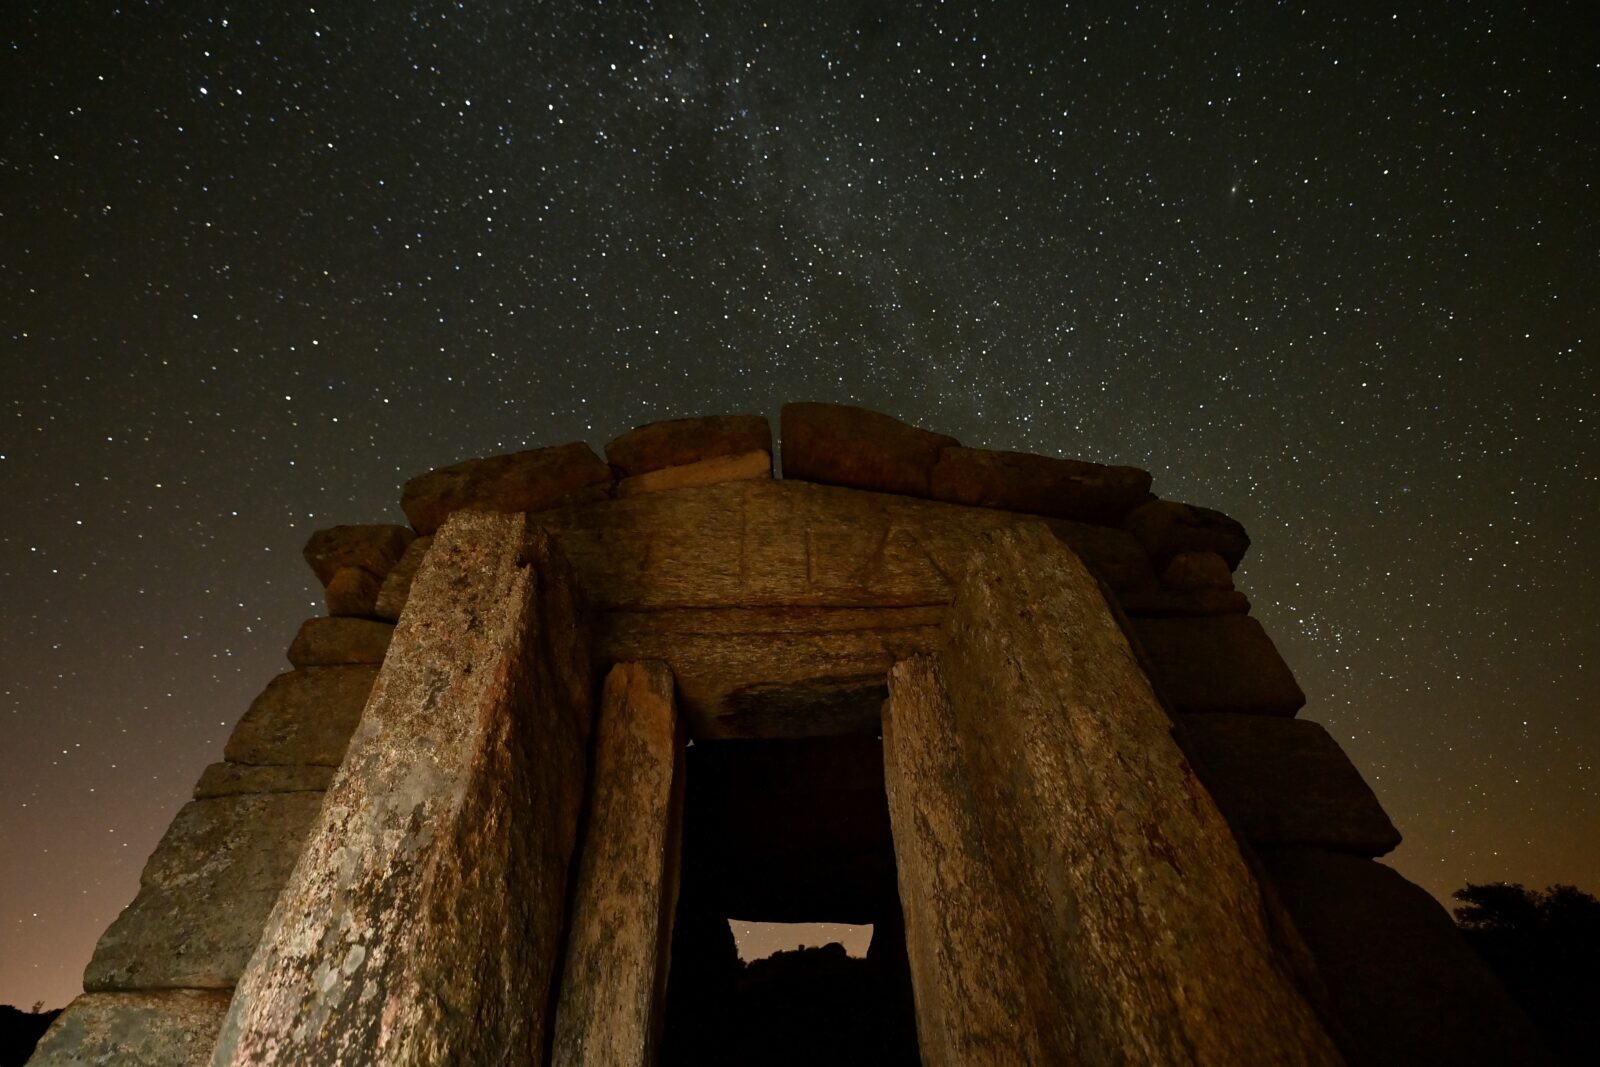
422, 923
970, 1005
373, 548
785, 543
1407, 987
774, 673
733, 468
535, 480
204, 894
679, 442
397, 584
1040, 485
231, 779
1286, 782
1197, 570
1166, 528
304, 716
339, 642
613, 987
841, 445
1185, 603
171, 1028
1224, 663
1142, 936
351, 591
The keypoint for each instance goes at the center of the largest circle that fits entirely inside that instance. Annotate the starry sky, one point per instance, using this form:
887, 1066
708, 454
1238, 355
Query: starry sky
1329, 268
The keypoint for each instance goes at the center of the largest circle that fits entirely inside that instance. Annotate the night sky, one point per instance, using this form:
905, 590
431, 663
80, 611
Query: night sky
1331, 272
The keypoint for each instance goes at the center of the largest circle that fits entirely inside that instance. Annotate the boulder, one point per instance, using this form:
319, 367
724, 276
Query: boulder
1286, 782
1406, 986
1197, 570
332, 642
1220, 663
373, 548
837, 444
535, 480
680, 442
169, 1028
1184, 603
705, 472
230, 779
397, 585
304, 716
1166, 528
205, 894
352, 591
1039, 485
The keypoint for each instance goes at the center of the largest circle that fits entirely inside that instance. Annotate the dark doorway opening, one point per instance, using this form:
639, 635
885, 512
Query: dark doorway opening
793, 831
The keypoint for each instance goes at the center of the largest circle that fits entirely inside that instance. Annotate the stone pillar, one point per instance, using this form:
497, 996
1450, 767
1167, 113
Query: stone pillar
613, 987
1140, 934
423, 920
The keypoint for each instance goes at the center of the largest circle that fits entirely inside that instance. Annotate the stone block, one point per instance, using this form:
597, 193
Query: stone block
1039, 485
230, 779
1166, 528
352, 591
1184, 603
837, 444
1405, 985
205, 894
169, 1028
1221, 663
1286, 782
536, 480
303, 716
397, 584
733, 468
1197, 570
680, 442
373, 548
329, 642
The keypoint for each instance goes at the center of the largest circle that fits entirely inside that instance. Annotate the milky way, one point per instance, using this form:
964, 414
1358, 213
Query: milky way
1332, 273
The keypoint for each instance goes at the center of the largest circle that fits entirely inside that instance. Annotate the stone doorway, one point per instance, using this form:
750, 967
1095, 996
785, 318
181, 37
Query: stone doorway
787, 831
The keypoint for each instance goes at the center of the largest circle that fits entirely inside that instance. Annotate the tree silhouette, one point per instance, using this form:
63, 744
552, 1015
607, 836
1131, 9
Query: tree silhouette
1545, 946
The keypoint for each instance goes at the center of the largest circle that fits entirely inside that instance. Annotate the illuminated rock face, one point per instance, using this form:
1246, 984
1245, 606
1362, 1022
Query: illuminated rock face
464, 870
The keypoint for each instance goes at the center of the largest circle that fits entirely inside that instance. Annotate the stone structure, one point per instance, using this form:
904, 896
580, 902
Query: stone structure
1009, 709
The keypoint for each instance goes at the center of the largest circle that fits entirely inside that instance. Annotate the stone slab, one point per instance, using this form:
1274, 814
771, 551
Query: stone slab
1166, 528
837, 444
204, 894
172, 1028
423, 921
679, 442
374, 548
328, 642
612, 999
1039, 485
352, 591
397, 584
231, 779
1404, 983
534, 480
1222, 663
705, 472
1185, 603
303, 716
1197, 570
1286, 782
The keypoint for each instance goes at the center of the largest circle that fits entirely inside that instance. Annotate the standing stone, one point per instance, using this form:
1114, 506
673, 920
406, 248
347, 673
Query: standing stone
1039, 485
166, 1028
678, 442
304, 716
422, 923
970, 1007
397, 583
837, 444
351, 591
1223, 663
613, 988
535, 480
1144, 937
373, 548
205, 894
340, 642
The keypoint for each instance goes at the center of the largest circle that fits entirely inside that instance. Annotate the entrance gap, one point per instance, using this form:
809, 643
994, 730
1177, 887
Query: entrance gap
789, 840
